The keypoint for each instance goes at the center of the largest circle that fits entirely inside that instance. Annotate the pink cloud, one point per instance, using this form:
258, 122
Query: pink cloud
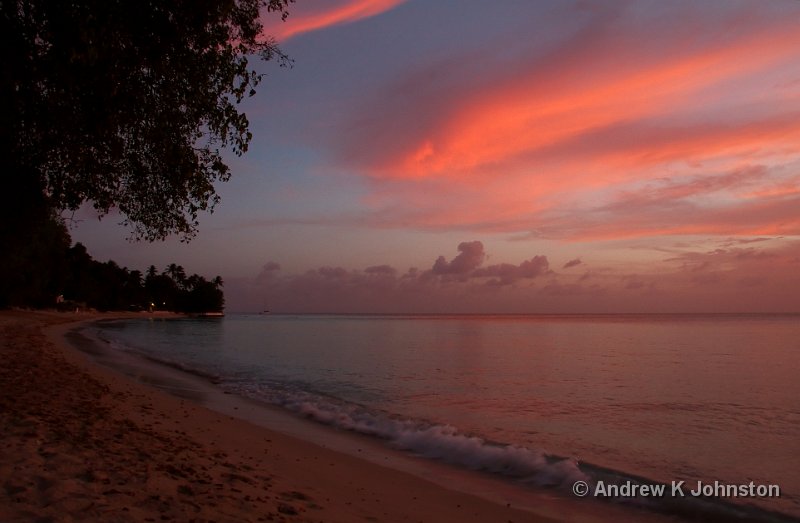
323, 15
560, 140
562, 95
470, 257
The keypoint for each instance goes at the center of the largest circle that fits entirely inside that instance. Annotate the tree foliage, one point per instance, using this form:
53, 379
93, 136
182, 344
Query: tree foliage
128, 104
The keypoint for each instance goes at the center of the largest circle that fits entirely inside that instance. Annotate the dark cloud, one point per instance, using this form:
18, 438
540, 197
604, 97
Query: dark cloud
696, 281
387, 270
507, 274
572, 263
470, 257
458, 284
268, 271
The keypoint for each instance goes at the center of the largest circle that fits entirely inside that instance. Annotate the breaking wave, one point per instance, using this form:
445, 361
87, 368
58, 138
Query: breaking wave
429, 440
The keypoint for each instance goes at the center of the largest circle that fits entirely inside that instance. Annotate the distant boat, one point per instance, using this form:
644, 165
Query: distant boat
219, 314
264, 312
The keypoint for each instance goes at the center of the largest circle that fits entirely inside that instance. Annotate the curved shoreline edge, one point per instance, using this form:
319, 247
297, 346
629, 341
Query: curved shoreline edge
84, 440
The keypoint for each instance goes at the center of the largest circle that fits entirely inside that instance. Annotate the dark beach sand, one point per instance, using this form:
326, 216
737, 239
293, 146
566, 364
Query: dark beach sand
81, 442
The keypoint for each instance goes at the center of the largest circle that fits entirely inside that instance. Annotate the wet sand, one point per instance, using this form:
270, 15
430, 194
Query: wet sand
82, 442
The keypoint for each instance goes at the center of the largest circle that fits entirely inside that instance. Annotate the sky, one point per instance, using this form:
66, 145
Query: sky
563, 156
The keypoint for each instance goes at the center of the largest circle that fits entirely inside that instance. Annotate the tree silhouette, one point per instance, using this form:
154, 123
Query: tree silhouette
127, 104
123, 104
33, 245
177, 273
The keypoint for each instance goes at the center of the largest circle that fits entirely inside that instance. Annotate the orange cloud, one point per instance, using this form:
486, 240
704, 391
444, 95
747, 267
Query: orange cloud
538, 113
728, 203
562, 143
300, 22
619, 120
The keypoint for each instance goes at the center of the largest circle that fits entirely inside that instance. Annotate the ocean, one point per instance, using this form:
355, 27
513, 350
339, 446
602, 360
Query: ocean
543, 401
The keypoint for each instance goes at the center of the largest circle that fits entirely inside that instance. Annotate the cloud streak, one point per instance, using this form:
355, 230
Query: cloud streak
631, 94
303, 20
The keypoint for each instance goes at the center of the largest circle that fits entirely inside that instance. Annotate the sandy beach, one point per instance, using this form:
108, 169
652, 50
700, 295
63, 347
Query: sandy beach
84, 443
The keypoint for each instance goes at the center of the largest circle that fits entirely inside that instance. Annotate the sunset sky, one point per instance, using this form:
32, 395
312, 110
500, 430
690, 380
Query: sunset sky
511, 156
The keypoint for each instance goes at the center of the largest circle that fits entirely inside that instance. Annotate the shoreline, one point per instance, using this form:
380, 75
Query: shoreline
104, 446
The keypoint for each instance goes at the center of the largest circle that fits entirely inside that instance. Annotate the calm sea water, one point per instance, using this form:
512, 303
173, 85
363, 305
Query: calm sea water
545, 399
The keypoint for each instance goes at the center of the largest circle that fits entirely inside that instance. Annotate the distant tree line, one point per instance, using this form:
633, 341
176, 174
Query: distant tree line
51, 273
173, 290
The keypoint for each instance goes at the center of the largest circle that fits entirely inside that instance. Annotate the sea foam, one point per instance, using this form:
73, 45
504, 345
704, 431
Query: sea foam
430, 440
